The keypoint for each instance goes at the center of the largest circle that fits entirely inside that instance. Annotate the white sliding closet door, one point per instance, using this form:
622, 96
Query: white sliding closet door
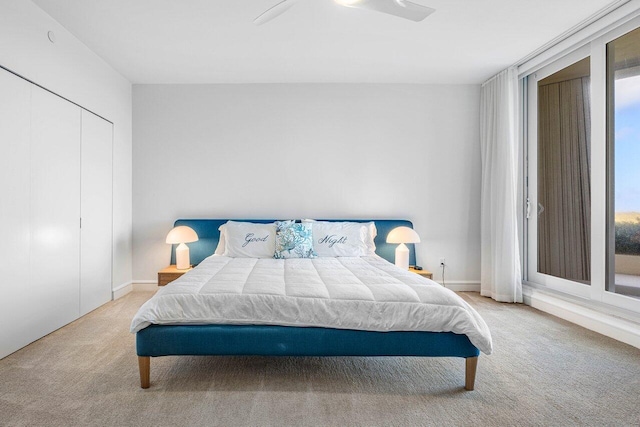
55, 168
15, 133
96, 211
55, 213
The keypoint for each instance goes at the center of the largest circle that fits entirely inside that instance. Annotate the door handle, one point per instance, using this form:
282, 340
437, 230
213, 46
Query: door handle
540, 209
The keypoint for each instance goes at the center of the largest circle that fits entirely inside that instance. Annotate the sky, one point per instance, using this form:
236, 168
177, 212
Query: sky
627, 145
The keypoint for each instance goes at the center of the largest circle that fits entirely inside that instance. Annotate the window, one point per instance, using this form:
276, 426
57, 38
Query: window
564, 193
623, 147
559, 175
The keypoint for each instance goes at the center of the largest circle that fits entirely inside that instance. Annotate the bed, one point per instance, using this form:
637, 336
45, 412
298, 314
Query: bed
411, 316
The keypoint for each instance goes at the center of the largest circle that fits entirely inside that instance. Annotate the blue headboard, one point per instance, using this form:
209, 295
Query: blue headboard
208, 235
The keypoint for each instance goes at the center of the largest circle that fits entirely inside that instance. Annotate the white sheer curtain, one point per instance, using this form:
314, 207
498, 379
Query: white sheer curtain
501, 277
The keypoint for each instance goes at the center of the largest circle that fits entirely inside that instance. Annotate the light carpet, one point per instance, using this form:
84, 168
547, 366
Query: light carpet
544, 371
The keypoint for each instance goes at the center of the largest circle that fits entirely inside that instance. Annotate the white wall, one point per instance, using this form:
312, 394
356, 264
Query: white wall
70, 69
309, 150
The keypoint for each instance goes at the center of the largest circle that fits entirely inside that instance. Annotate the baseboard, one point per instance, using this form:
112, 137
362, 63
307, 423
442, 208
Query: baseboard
462, 285
134, 286
606, 324
145, 285
122, 290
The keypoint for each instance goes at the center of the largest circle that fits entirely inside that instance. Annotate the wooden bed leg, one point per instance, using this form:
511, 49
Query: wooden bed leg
144, 363
470, 372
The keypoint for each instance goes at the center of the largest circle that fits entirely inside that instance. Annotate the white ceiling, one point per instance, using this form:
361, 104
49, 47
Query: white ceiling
215, 41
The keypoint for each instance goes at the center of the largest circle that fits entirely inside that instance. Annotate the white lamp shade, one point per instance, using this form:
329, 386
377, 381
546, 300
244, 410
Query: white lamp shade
403, 235
182, 234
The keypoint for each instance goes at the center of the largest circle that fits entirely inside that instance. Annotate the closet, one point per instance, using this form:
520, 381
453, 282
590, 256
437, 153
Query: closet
55, 212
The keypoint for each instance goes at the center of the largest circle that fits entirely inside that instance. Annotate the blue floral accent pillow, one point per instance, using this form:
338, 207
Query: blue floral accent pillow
294, 240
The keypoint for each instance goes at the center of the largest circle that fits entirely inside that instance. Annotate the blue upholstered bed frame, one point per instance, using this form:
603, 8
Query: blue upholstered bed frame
208, 236
266, 340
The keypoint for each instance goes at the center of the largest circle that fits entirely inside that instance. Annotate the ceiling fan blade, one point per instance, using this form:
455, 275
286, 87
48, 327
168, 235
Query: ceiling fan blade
401, 8
274, 12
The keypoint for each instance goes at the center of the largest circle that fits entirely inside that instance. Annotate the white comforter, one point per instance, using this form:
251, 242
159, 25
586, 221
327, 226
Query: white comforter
363, 293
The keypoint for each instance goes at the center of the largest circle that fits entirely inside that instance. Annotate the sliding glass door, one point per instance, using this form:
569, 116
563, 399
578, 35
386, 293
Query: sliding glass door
559, 175
583, 170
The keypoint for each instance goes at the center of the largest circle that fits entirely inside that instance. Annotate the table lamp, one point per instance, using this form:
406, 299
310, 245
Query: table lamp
403, 235
181, 235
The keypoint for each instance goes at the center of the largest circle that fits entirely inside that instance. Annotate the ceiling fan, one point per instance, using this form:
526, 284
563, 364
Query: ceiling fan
401, 8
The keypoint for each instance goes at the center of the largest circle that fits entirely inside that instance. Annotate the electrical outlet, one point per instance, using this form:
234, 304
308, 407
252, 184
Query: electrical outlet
442, 261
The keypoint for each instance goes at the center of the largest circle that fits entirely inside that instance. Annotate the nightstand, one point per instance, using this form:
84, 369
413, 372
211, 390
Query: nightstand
169, 274
423, 273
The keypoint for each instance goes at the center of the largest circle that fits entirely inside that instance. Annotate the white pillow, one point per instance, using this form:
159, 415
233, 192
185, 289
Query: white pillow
221, 246
342, 239
372, 232
369, 238
249, 240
